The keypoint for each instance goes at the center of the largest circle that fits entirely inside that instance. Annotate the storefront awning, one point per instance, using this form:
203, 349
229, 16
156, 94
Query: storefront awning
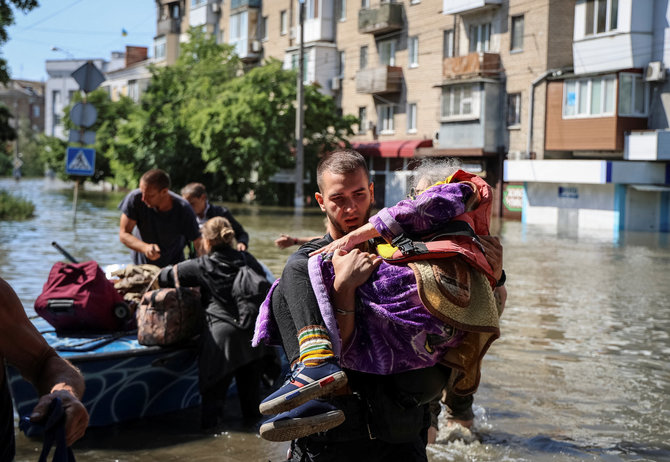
392, 148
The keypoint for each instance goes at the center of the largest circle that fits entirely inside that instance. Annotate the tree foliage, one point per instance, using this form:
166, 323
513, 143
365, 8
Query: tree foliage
6, 20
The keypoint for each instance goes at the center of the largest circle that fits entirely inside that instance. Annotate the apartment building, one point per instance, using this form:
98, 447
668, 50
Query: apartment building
606, 130
25, 100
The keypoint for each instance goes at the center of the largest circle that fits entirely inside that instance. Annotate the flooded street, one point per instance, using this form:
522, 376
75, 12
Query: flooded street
580, 371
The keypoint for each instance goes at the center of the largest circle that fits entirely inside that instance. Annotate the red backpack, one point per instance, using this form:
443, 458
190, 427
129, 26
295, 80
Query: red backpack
78, 296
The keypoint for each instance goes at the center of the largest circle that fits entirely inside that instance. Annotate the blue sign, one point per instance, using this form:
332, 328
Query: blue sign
568, 192
80, 161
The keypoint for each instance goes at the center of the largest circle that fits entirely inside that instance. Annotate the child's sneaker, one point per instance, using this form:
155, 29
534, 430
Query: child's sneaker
312, 417
305, 383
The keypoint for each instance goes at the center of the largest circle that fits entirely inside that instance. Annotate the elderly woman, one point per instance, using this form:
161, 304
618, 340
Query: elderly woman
225, 349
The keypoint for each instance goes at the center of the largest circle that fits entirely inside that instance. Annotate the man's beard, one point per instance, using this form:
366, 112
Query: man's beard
342, 232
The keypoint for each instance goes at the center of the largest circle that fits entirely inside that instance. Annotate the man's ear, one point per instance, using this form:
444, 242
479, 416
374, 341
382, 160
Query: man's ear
319, 198
372, 193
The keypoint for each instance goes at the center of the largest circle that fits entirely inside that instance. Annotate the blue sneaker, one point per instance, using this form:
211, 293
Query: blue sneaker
312, 417
305, 383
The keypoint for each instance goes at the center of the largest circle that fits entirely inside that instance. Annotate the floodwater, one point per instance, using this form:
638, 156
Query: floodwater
580, 372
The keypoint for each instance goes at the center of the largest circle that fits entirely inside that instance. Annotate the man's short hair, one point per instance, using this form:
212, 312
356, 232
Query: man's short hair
193, 190
342, 161
156, 178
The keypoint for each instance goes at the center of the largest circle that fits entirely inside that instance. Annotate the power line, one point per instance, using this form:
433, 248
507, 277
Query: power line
30, 26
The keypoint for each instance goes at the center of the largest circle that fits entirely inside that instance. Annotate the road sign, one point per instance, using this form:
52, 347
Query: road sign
83, 114
79, 161
76, 137
88, 77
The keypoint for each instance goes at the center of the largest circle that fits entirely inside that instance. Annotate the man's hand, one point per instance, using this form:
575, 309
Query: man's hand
152, 251
493, 252
241, 246
76, 416
353, 268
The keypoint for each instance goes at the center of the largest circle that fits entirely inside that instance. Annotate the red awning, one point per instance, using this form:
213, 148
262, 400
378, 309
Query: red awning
392, 148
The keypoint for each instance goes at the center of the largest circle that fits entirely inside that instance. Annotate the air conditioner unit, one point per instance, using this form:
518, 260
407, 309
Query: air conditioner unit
335, 83
292, 33
655, 72
256, 46
216, 8
516, 155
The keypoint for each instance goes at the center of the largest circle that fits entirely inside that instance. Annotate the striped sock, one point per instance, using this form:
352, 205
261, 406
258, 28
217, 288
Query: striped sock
315, 346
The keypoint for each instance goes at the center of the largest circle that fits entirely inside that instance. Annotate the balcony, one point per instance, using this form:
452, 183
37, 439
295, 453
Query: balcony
471, 65
647, 145
235, 4
387, 18
379, 80
168, 26
467, 6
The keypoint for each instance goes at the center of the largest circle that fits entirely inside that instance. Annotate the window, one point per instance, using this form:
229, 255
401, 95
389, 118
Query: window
460, 101
480, 37
363, 58
448, 44
295, 57
311, 9
36, 110
159, 48
263, 33
633, 95
513, 109
340, 67
283, 22
363, 118
341, 10
517, 33
413, 46
589, 97
411, 118
365, 4
601, 16
387, 53
386, 118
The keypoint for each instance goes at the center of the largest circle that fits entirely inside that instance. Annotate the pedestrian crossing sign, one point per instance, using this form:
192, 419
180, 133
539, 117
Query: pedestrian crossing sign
80, 161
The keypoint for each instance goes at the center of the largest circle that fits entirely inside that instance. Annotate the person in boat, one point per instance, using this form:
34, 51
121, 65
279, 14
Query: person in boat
292, 313
196, 195
225, 349
156, 224
22, 346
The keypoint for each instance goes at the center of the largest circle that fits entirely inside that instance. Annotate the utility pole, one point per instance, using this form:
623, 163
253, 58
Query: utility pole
299, 200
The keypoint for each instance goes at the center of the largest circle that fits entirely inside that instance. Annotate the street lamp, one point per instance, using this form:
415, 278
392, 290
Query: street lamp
69, 55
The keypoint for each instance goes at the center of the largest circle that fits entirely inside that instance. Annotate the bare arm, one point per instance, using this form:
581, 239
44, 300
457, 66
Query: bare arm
126, 225
286, 240
25, 348
350, 240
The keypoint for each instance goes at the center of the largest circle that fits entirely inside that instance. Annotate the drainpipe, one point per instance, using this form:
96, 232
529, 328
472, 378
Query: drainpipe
531, 104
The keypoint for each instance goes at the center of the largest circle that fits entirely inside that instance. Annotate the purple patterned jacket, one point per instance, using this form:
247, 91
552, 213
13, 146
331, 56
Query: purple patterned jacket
393, 332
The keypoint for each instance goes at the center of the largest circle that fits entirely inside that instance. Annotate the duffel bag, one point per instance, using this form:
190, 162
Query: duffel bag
168, 316
78, 296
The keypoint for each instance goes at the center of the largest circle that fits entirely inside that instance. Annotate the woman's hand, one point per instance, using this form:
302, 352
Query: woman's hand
350, 240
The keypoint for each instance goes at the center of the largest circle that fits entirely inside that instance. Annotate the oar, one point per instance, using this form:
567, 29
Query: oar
65, 253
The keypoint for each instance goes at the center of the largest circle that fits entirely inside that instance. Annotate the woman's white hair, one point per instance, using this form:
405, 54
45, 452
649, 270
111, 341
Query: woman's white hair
433, 170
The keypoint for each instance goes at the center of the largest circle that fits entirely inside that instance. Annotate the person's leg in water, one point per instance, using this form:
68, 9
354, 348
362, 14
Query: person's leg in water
213, 402
248, 379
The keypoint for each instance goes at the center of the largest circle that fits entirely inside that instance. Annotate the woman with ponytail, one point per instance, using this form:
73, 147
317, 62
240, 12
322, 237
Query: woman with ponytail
225, 349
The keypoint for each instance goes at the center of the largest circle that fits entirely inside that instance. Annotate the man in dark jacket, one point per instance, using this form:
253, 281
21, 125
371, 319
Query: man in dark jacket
196, 195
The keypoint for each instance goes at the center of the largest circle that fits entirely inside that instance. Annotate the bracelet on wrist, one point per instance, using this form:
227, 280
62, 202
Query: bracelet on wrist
344, 312
501, 281
295, 241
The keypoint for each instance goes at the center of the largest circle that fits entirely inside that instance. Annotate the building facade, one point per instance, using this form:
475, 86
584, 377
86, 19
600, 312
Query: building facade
606, 126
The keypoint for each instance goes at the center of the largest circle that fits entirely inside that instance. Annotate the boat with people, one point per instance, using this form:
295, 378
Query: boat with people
124, 380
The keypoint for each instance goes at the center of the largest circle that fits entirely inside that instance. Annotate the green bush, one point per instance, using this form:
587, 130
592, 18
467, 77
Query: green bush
15, 208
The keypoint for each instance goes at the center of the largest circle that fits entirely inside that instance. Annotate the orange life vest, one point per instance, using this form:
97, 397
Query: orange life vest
458, 237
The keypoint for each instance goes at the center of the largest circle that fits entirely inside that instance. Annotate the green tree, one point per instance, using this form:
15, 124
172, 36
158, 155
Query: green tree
6, 20
155, 134
247, 130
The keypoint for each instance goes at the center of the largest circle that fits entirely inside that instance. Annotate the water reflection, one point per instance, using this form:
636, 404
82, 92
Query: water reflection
580, 372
